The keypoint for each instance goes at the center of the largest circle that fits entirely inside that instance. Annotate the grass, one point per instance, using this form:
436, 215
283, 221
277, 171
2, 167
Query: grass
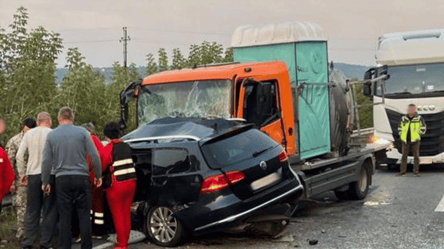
7, 221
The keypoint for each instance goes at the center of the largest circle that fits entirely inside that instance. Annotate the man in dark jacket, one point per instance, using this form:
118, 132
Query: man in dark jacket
411, 127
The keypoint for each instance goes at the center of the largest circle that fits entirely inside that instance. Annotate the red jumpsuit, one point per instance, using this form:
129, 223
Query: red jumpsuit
97, 192
7, 175
120, 197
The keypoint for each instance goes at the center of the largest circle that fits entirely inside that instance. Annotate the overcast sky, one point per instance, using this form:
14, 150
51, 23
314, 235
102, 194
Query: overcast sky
95, 26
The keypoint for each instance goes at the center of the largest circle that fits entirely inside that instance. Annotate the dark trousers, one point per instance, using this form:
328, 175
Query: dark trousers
36, 201
406, 148
50, 216
74, 191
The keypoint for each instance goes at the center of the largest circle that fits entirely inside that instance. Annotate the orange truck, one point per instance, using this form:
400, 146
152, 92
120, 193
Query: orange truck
280, 82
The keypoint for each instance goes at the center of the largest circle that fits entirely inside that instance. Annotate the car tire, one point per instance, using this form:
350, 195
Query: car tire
341, 195
163, 228
359, 189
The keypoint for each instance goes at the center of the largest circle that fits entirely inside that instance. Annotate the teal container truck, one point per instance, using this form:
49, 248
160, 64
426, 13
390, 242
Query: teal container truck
325, 111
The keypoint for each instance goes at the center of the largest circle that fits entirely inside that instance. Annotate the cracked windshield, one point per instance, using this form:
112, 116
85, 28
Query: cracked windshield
185, 99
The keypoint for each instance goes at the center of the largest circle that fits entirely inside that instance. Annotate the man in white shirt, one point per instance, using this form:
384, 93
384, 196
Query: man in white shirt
31, 175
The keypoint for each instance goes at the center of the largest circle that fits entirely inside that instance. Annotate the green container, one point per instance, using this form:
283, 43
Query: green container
307, 63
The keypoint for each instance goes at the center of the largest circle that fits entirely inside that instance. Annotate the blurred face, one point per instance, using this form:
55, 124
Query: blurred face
411, 110
26, 128
2, 126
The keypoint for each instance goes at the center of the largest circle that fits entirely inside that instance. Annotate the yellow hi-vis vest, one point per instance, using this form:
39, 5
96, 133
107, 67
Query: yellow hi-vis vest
417, 128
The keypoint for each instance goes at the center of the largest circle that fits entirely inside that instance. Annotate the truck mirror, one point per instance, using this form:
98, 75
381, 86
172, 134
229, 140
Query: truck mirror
125, 96
367, 89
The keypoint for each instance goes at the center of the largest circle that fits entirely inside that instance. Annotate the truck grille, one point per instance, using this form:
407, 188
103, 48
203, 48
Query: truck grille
432, 143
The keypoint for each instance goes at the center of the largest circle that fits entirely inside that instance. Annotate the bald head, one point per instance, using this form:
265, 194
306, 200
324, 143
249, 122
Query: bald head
44, 119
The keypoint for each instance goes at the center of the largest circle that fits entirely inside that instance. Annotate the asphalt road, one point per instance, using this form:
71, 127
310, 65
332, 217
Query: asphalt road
399, 212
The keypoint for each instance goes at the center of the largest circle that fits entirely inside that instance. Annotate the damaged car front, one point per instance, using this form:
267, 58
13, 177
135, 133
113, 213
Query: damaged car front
197, 176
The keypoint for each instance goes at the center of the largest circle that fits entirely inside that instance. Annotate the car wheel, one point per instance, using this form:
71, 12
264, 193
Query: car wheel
359, 189
163, 228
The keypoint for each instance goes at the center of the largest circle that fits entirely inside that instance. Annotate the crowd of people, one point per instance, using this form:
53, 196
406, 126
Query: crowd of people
55, 176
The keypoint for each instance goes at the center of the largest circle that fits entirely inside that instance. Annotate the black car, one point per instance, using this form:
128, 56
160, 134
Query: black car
196, 176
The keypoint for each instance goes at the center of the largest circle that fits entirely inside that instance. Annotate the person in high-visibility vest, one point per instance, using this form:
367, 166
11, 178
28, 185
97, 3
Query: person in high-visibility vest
411, 127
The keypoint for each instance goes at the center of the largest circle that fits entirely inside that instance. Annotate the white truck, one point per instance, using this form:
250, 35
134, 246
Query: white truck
414, 62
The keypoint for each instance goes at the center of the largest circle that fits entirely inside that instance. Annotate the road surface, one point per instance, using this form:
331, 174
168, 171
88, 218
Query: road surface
399, 212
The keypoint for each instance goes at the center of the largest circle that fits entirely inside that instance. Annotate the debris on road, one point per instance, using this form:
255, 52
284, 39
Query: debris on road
313, 242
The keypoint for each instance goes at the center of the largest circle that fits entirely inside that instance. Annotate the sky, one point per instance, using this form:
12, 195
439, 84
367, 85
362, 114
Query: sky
95, 26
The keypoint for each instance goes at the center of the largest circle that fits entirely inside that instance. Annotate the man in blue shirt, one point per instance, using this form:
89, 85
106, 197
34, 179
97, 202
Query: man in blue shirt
65, 153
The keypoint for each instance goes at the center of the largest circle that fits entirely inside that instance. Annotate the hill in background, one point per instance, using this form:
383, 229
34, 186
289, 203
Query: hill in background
352, 71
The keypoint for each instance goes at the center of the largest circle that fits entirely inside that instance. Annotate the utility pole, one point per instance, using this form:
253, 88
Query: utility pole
125, 40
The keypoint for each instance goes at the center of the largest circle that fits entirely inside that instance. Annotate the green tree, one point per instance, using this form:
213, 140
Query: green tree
228, 57
163, 60
84, 90
27, 71
178, 59
194, 56
151, 66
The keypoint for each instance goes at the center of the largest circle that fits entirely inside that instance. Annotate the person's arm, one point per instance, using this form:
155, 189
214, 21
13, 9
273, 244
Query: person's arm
9, 175
400, 127
47, 160
94, 155
12, 148
107, 157
423, 129
20, 158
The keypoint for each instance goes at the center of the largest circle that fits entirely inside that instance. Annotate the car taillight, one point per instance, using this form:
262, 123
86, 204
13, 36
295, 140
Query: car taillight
283, 156
235, 176
218, 182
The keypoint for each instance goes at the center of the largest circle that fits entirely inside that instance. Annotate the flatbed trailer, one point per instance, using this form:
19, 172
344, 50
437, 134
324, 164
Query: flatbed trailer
341, 173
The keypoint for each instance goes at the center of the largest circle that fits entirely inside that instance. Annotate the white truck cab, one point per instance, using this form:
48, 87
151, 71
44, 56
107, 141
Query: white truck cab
414, 62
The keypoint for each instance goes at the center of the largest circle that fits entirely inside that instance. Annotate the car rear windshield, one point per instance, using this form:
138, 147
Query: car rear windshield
237, 148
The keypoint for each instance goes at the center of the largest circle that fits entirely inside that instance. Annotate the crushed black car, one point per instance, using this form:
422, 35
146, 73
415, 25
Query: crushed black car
197, 176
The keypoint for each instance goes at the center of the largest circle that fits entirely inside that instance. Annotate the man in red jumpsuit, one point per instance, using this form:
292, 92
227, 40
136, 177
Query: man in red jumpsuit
7, 175
117, 156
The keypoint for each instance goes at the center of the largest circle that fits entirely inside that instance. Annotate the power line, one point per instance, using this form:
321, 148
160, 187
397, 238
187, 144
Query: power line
97, 41
182, 31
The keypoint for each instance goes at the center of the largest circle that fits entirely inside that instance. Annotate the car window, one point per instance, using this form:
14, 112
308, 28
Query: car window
237, 148
170, 161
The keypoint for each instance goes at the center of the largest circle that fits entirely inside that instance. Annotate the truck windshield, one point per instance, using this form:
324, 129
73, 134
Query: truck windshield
210, 98
414, 79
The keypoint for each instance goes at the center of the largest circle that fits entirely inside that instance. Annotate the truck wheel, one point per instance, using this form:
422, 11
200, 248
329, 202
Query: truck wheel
341, 195
359, 189
163, 228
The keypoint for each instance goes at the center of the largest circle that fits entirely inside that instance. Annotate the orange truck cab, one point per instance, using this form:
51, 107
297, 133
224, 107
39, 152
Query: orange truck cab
225, 91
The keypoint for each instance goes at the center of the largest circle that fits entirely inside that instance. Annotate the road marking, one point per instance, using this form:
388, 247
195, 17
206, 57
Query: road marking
440, 207
104, 246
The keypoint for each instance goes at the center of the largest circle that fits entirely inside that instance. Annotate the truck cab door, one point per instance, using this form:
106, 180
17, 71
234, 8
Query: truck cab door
259, 105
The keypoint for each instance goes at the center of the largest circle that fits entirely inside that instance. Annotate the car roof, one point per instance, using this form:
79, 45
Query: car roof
171, 129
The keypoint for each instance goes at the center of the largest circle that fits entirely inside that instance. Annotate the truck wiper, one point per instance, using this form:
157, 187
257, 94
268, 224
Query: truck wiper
401, 93
256, 154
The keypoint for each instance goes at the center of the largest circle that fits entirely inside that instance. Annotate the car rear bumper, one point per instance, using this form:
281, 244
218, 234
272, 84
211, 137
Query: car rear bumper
226, 211
247, 213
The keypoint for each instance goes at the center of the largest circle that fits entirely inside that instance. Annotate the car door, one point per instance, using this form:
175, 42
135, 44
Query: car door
175, 179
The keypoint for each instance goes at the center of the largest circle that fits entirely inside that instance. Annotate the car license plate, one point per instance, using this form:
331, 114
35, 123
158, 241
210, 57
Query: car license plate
265, 181
425, 161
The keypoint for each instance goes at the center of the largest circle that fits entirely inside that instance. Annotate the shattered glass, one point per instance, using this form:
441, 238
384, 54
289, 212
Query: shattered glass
209, 99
